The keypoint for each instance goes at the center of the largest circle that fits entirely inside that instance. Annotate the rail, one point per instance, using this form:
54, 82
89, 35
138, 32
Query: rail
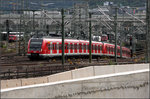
43, 70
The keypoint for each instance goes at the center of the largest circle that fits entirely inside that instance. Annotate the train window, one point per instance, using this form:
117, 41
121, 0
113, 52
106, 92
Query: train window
114, 50
66, 46
75, 46
53, 46
84, 47
60, 46
100, 47
95, 47
71, 46
92, 47
110, 49
118, 51
57, 46
48, 46
36, 44
80, 46
107, 49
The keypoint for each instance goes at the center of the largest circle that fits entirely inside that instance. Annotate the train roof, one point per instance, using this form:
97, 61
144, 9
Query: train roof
69, 40
76, 40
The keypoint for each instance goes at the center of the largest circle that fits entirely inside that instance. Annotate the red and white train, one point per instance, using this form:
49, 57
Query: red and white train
12, 38
48, 47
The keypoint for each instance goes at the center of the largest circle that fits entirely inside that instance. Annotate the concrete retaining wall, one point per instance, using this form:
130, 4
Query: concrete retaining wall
134, 84
74, 74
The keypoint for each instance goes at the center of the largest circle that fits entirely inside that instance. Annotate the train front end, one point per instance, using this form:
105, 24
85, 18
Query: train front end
35, 48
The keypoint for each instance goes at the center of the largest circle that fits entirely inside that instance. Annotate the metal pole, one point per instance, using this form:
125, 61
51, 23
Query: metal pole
115, 24
0, 26
20, 34
7, 29
121, 38
33, 22
90, 40
147, 31
63, 37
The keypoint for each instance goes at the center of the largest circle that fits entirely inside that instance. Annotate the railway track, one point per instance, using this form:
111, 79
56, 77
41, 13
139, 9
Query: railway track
13, 66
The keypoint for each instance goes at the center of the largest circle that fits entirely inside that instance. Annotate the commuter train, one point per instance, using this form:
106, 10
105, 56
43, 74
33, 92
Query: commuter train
50, 47
13, 38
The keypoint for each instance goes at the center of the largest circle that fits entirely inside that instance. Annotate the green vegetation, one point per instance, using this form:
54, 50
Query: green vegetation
111, 62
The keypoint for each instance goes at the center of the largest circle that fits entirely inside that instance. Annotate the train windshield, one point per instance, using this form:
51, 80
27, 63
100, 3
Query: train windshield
36, 44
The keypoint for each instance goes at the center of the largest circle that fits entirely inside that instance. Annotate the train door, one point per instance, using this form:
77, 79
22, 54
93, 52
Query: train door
107, 49
48, 48
71, 47
118, 51
80, 47
96, 48
57, 48
92, 48
75, 47
84, 48
111, 51
60, 48
66, 47
54, 47
88, 48
101, 48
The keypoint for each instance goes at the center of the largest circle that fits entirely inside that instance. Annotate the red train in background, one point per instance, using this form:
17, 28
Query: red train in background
48, 47
12, 38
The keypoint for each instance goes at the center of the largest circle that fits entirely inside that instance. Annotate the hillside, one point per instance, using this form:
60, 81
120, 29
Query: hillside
50, 4
132, 3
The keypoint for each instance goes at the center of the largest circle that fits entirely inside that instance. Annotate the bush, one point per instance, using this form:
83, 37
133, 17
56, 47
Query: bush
111, 62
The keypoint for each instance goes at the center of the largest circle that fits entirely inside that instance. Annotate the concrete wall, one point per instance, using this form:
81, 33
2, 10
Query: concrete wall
74, 74
134, 84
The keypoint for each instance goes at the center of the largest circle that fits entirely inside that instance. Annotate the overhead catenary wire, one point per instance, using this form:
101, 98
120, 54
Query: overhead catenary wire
133, 16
